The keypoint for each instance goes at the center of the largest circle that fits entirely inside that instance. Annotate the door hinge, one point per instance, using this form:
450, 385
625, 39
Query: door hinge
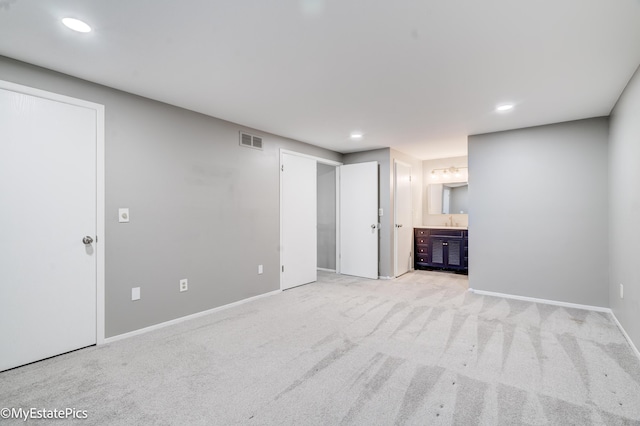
282, 268
282, 168
410, 178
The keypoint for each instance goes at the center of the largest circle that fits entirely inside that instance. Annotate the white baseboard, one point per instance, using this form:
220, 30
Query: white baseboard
626, 336
567, 305
326, 270
186, 318
545, 301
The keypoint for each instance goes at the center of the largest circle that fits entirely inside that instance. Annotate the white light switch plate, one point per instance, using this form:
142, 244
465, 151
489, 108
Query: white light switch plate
135, 293
123, 215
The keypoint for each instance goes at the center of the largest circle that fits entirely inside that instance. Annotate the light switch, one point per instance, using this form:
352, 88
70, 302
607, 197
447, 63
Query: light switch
135, 293
123, 215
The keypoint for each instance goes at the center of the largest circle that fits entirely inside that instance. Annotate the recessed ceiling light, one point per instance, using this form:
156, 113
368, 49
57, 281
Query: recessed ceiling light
504, 107
356, 135
76, 25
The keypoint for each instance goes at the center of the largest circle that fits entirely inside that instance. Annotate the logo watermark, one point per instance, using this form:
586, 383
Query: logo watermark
42, 413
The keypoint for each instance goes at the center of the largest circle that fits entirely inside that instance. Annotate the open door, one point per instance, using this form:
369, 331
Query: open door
298, 221
403, 218
359, 219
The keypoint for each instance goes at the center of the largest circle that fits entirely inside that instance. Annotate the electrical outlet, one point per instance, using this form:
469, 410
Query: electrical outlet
621, 291
260, 269
135, 293
184, 285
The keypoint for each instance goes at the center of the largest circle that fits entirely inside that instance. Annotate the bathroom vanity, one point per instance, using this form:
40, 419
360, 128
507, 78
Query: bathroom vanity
441, 247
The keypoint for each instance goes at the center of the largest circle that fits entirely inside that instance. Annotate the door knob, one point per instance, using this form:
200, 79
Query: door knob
398, 225
373, 226
87, 240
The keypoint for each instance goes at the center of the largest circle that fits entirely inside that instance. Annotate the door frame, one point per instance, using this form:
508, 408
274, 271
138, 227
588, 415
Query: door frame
395, 211
100, 190
318, 160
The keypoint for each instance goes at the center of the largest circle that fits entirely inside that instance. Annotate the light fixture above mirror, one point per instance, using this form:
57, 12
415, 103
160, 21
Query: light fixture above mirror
449, 173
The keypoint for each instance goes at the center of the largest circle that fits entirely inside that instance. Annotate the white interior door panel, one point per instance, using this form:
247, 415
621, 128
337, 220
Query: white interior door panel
48, 198
359, 219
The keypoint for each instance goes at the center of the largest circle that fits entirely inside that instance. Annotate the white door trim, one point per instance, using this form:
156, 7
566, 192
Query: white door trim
395, 211
100, 191
319, 160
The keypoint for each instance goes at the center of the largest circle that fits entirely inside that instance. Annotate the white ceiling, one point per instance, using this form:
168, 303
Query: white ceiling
416, 75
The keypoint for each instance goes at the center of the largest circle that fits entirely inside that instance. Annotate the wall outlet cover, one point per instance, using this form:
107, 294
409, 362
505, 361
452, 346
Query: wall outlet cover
123, 215
621, 291
135, 293
184, 285
260, 269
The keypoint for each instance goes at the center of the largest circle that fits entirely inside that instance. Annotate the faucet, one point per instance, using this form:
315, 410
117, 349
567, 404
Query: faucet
451, 220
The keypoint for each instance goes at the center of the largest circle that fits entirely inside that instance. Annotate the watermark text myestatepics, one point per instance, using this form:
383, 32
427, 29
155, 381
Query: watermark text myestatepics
42, 413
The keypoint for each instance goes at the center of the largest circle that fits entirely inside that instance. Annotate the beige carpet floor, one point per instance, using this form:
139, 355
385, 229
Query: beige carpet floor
419, 350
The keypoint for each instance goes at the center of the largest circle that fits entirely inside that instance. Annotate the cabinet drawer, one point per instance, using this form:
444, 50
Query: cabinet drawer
421, 258
422, 249
421, 232
422, 241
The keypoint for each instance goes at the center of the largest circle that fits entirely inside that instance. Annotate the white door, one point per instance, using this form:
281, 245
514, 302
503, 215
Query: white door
403, 217
48, 205
299, 217
359, 219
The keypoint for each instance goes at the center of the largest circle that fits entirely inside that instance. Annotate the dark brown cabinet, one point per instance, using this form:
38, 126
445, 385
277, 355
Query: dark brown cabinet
441, 249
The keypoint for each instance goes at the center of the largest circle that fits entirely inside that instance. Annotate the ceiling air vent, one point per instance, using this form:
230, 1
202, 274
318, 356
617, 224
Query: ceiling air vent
250, 141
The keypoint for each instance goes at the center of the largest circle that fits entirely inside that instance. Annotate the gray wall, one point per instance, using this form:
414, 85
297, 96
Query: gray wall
202, 207
384, 243
538, 215
326, 216
624, 208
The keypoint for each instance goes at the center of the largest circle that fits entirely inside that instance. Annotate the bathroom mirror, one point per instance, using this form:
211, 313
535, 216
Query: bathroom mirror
447, 198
